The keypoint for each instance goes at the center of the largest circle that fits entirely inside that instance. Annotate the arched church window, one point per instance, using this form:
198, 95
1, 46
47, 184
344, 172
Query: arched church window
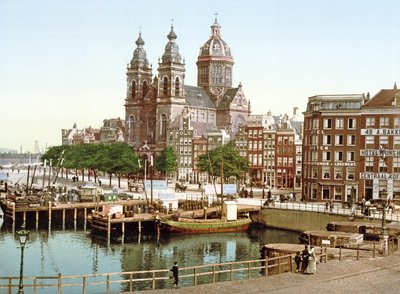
177, 85
133, 90
131, 128
151, 126
145, 88
165, 86
163, 127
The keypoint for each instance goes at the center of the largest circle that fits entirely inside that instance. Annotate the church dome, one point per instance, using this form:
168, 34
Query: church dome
171, 53
215, 46
139, 58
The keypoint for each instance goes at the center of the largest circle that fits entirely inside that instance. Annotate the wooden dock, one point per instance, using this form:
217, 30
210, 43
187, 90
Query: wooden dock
61, 211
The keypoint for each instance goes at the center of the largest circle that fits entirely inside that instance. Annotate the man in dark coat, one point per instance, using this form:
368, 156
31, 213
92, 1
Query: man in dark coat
304, 256
175, 273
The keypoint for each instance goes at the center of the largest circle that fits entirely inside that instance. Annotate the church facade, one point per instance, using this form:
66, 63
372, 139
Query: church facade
155, 104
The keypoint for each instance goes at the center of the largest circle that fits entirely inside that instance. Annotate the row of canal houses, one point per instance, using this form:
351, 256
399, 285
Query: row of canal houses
345, 148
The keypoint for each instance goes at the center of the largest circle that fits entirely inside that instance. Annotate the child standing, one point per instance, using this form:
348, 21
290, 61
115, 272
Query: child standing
297, 260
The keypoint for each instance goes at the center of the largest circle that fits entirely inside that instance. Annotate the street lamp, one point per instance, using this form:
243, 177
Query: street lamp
23, 236
384, 236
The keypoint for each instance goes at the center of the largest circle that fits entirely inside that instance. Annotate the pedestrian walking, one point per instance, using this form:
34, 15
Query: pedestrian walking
297, 260
312, 262
304, 257
175, 273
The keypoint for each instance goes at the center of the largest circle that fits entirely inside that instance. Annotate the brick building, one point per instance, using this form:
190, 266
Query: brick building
380, 145
331, 147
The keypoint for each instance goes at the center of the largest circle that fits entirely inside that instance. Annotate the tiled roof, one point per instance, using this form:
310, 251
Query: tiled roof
384, 97
197, 96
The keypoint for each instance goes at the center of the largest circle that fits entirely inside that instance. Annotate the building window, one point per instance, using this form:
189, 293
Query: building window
396, 142
145, 88
351, 156
165, 86
338, 173
339, 123
338, 193
383, 142
350, 172
339, 156
369, 142
315, 123
327, 123
314, 155
315, 172
339, 140
325, 192
177, 86
314, 191
369, 164
370, 122
351, 140
382, 165
326, 173
396, 122
315, 140
327, 140
326, 156
351, 123
396, 164
384, 122
133, 90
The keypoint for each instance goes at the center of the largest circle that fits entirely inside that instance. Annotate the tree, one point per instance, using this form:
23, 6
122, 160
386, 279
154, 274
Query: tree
233, 164
166, 163
119, 159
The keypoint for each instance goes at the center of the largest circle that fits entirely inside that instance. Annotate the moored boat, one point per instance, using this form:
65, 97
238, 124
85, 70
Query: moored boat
195, 226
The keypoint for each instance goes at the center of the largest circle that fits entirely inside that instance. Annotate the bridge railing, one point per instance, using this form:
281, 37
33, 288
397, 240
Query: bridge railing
337, 209
149, 280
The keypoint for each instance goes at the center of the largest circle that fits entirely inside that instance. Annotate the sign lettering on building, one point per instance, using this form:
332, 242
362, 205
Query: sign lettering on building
380, 132
323, 163
381, 152
379, 176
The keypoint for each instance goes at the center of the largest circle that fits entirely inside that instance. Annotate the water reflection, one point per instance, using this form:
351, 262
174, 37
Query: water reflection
74, 251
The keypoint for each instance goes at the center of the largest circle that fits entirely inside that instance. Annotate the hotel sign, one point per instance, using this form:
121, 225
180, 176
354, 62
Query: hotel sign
380, 132
379, 176
380, 152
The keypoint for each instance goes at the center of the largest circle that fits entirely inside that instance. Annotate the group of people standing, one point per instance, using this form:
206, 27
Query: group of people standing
307, 259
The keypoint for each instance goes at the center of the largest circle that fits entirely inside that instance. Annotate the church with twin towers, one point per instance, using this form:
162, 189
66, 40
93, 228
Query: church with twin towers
155, 104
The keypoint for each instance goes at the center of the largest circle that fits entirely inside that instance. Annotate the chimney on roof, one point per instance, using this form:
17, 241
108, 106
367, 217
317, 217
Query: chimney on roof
395, 86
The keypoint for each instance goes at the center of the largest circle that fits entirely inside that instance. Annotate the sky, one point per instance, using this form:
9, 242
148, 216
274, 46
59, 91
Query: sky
64, 62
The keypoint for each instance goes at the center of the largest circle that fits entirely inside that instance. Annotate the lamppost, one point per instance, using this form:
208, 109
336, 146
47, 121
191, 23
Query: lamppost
23, 235
383, 237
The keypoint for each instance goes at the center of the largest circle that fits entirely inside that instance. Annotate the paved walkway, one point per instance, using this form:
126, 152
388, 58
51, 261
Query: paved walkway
378, 275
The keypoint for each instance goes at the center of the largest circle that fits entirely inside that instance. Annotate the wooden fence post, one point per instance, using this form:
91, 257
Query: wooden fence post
373, 250
83, 284
358, 251
213, 270
266, 265
59, 282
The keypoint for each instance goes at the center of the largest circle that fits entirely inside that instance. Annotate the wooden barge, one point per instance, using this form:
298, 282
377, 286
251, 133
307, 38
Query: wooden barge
195, 226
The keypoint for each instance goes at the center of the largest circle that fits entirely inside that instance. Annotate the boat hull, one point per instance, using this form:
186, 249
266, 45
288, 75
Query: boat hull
205, 226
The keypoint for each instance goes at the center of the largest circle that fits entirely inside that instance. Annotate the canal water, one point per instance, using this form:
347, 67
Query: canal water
73, 250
